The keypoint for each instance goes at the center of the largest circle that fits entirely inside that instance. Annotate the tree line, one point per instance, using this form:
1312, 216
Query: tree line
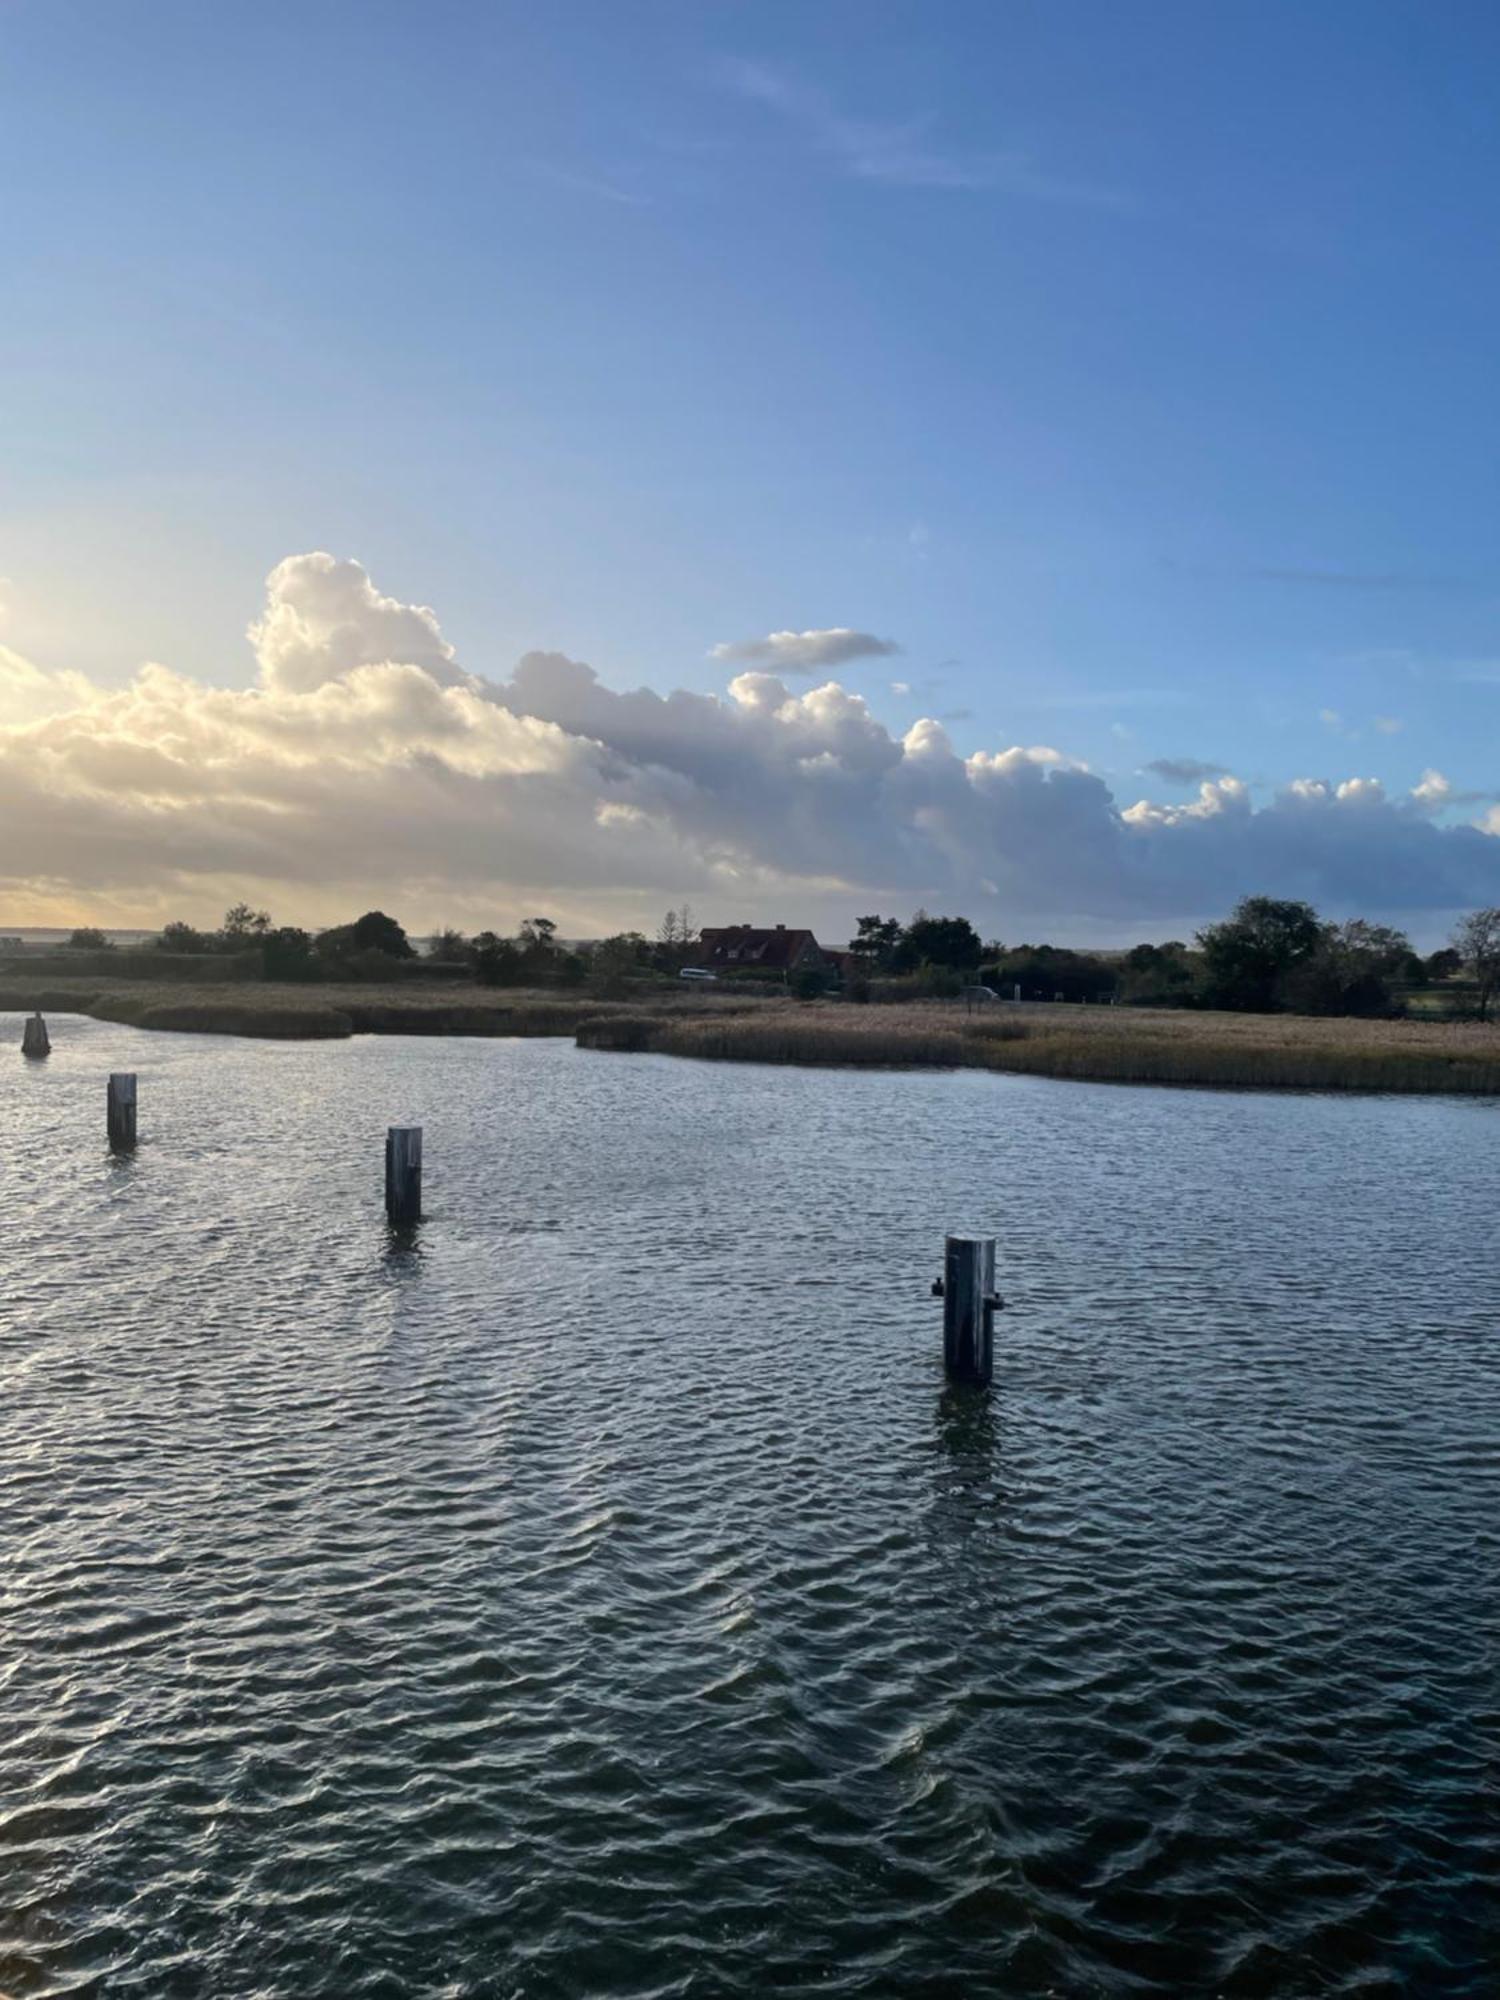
376, 945
1268, 955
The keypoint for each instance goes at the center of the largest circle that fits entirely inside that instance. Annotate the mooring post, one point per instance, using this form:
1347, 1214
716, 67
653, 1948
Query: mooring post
403, 1175
970, 1302
34, 1040
121, 1110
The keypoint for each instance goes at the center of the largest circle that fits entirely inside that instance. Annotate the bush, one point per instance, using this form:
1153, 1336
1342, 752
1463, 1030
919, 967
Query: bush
940, 982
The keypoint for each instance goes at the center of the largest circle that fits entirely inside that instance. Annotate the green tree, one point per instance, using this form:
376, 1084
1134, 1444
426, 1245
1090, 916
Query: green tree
1444, 963
375, 931
950, 941
1155, 975
875, 942
182, 937
1050, 971
1352, 971
449, 947
497, 960
243, 926
1246, 957
86, 938
537, 939
286, 953
1476, 939
614, 961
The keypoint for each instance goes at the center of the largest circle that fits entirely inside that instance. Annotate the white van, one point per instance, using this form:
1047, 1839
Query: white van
696, 972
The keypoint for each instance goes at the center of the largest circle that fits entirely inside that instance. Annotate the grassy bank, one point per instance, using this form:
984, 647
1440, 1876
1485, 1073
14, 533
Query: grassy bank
305, 1013
1101, 1044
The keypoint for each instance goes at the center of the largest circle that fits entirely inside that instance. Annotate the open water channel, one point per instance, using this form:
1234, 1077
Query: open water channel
601, 1594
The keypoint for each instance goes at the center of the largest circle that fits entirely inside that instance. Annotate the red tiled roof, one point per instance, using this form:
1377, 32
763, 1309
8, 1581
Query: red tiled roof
742, 944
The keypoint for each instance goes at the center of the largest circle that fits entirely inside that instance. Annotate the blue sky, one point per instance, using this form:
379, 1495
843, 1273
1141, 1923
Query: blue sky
1132, 368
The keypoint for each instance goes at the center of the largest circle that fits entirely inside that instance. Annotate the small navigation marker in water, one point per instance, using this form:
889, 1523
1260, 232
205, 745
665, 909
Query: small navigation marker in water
34, 1041
970, 1302
122, 1111
403, 1175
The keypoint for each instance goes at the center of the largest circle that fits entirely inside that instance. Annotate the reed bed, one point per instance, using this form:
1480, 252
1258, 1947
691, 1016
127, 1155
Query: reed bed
1105, 1045
1097, 1044
278, 1011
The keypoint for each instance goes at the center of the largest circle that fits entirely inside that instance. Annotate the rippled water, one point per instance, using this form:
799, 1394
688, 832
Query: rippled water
603, 1596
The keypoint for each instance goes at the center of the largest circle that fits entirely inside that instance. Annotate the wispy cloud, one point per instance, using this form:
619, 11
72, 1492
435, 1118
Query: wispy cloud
906, 153
1358, 579
1185, 770
1085, 698
593, 185
807, 652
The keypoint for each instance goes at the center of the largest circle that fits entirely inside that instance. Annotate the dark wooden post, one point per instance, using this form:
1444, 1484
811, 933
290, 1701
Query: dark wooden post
403, 1175
967, 1289
34, 1040
121, 1111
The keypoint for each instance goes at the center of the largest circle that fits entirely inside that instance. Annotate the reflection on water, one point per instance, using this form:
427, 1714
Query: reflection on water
596, 1590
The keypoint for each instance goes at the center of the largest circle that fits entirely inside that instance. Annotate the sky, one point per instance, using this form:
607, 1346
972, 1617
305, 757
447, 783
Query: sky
1029, 460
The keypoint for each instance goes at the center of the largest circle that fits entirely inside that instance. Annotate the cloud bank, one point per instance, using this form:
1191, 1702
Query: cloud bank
367, 766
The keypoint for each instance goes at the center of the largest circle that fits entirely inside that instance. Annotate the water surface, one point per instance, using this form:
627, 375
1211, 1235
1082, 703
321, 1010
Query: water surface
600, 1594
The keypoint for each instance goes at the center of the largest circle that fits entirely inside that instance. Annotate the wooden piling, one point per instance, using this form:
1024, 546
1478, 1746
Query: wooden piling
967, 1288
121, 1111
403, 1175
34, 1039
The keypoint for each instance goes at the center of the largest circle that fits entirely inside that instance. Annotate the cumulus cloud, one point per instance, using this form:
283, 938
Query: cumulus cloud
808, 652
1437, 793
323, 617
366, 766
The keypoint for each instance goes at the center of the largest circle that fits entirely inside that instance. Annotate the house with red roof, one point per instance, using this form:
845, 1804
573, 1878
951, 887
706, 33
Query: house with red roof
744, 948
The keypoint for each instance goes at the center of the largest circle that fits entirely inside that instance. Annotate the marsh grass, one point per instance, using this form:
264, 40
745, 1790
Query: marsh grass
1102, 1045
1098, 1044
295, 1012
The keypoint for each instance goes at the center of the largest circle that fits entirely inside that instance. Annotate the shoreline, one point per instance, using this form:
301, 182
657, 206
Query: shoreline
1082, 1044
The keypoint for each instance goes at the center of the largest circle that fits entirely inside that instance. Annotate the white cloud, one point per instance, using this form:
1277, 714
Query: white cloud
323, 617
366, 766
808, 652
1216, 798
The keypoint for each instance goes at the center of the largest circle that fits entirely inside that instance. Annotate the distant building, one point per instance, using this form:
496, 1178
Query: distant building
743, 948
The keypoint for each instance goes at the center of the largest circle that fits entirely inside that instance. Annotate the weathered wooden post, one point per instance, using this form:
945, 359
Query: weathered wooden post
403, 1175
121, 1111
970, 1302
34, 1041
